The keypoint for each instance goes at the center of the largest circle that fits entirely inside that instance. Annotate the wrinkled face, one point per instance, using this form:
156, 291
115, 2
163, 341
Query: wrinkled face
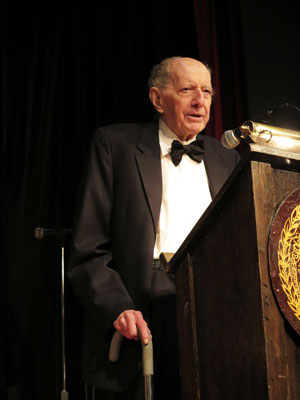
184, 103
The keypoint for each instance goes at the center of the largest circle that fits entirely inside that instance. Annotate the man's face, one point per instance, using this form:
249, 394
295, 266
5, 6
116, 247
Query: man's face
184, 104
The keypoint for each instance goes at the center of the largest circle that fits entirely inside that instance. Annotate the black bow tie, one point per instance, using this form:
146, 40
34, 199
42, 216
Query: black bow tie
194, 150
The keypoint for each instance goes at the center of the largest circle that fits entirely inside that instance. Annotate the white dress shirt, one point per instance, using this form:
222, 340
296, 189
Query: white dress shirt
185, 195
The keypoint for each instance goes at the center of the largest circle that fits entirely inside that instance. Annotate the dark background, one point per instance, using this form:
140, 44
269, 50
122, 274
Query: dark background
67, 69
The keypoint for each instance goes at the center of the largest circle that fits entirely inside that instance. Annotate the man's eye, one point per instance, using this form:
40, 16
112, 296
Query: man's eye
186, 90
207, 92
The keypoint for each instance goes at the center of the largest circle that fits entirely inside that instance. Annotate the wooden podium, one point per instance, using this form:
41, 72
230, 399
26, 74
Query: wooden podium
234, 342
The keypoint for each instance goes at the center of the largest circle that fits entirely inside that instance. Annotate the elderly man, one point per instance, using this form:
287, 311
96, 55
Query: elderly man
139, 200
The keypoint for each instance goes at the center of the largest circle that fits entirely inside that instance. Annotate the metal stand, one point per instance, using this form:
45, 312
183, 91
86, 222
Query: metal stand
64, 393
60, 234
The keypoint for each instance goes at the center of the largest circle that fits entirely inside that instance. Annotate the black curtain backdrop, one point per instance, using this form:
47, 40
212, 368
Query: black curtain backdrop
65, 71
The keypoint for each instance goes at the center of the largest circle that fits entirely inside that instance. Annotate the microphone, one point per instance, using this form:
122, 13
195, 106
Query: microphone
265, 135
231, 138
40, 233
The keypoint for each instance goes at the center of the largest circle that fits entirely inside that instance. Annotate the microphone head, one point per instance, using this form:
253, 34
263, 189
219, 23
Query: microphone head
230, 140
39, 233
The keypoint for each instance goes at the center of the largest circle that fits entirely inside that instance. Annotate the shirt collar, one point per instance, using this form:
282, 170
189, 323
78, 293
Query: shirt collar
166, 137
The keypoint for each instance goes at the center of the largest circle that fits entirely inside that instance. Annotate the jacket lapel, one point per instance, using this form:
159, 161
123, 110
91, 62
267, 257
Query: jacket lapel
149, 164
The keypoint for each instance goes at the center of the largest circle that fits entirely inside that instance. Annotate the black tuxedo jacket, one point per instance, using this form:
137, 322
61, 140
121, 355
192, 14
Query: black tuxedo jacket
114, 236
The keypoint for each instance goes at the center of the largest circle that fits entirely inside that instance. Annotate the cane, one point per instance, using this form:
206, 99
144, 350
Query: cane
147, 351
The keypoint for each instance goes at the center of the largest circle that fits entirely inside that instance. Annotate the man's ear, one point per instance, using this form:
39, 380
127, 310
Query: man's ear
155, 98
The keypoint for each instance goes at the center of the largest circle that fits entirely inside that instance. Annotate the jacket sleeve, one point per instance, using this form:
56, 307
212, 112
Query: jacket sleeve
91, 269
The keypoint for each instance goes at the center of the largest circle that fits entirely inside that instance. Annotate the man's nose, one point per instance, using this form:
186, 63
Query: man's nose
198, 98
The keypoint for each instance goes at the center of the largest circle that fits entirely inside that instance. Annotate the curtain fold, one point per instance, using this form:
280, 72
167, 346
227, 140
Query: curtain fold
220, 44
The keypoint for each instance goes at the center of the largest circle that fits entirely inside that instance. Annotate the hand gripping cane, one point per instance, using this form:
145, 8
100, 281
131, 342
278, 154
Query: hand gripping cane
147, 351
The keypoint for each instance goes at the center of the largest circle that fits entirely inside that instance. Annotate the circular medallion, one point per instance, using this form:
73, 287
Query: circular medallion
284, 258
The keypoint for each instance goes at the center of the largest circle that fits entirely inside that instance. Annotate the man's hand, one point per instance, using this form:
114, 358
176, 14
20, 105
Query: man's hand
128, 322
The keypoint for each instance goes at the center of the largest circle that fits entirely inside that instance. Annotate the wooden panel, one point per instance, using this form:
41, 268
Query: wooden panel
282, 344
186, 317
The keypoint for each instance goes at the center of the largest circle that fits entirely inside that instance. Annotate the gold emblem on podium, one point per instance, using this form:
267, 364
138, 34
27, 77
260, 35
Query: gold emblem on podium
284, 258
289, 260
